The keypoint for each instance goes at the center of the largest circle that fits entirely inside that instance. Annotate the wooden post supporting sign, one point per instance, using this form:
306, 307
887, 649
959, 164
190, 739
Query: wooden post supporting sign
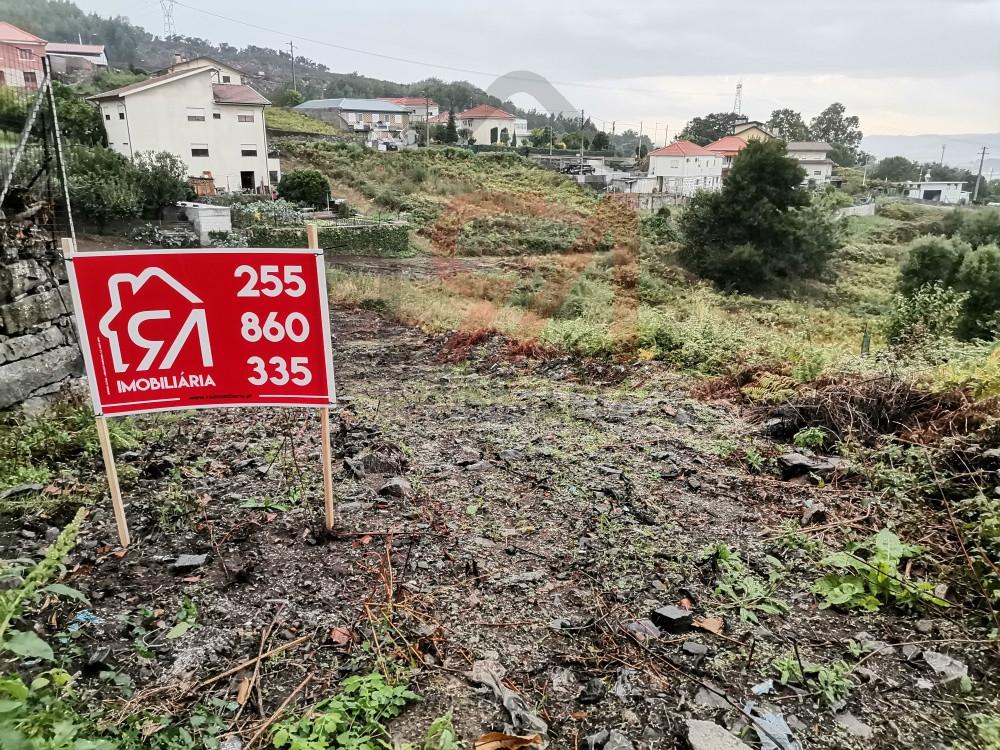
104, 438
312, 238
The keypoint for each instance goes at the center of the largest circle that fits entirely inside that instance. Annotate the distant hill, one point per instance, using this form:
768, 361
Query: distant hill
960, 150
132, 47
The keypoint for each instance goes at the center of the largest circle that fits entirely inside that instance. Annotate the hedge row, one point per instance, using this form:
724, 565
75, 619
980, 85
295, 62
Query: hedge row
367, 239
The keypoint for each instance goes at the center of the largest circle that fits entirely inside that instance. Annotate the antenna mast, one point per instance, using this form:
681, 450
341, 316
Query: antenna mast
738, 100
168, 18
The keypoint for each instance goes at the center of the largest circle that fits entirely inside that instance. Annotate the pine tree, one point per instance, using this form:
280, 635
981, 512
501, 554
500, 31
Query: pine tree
451, 134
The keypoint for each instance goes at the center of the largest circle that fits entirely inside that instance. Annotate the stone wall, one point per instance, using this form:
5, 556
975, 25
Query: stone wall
38, 349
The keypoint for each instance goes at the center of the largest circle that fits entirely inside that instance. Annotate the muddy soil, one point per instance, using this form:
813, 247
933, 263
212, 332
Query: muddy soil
540, 518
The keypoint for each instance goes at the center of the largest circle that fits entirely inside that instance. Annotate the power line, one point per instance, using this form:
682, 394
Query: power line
424, 63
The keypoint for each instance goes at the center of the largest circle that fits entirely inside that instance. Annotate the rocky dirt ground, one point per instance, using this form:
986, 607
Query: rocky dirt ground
516, 521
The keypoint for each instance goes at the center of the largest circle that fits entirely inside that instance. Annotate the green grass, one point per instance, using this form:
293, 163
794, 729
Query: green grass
290, 121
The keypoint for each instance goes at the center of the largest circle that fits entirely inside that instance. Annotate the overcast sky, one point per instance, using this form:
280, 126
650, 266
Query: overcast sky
903, 66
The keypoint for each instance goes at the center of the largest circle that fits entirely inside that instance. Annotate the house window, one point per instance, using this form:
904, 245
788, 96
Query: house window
195, 114
248, 149
225, 79
199, 149
121, 115
216, 115
24, 54
244, 118
273, 177
107, 116
30, 81
816, 171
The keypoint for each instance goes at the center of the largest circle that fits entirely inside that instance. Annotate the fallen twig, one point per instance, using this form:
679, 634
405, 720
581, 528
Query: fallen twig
274, 717
249, 662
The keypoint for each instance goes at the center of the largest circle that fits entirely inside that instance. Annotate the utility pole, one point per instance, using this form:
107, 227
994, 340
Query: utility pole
427, 120
581, 142
291, 47
943, 147
979, 174
638, 149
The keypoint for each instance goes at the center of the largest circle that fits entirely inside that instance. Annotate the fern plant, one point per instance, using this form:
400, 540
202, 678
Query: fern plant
31, 580
769, 388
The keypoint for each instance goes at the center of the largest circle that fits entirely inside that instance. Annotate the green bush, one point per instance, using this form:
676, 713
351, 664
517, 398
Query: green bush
979, 227
930, 260
931, 312
388, 240
104, 186
305, 186
760, 227
700, 344
279, 213
979, 279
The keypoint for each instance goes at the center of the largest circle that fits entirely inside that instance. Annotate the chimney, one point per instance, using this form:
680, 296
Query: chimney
178, 58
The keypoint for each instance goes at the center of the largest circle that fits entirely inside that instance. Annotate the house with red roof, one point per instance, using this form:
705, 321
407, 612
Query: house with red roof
216, 128
684, 168
22, 58
487, 124
727, 147
76, 59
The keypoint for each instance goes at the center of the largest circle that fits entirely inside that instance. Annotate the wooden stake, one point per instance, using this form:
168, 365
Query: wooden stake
112, 472
324, 420
312, 238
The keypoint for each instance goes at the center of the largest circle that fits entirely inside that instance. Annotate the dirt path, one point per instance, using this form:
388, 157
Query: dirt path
541, 518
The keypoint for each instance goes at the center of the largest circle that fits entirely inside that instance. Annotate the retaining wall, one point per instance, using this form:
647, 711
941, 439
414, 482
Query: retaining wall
38, 349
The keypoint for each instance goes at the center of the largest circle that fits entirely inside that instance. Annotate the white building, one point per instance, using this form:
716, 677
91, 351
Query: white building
812, 157
217, 129
482, 120
684, 168
376, 119
933, 190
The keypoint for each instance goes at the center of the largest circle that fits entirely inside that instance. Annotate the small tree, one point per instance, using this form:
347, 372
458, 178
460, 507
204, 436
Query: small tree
102, 185
980, 227
930, 313
161, 179
896, 168
760, 226
979, 278
513, 140
305, 186
504, 137
930, 260
601, 141
293, 98
451, 133
79, 120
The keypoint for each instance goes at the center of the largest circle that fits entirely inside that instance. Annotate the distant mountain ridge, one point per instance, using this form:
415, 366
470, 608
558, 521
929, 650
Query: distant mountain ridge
961, 150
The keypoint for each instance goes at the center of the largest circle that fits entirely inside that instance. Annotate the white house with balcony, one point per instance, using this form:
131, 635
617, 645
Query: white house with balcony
684, 168
377, 120
812, 156
420, 107
217, 129
951, 192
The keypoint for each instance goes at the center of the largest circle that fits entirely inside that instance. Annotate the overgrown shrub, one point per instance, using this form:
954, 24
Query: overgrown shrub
105, 186
979, 227
979, 278
931, 312
931, 260
760, 227
305, 186
699, 343
279, 213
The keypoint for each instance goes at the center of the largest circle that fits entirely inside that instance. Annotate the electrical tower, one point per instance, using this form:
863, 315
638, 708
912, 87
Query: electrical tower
738, 101
168, 18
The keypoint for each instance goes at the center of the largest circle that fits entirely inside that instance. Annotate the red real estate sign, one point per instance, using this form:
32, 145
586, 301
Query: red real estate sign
183, 329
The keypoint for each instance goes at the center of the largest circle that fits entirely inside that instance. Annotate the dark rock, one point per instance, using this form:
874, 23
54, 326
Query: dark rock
19, 316
27, 534
854, 725
187, 563
97, 662
815, 513
796, 464
511, 454
20, 489
396, 487
466, 455
159, 467
51, 533
643, 629
684, 417
694, 483
593, 691
779, 428
671, 618
926, 627
693, 647
354, 467
670, 471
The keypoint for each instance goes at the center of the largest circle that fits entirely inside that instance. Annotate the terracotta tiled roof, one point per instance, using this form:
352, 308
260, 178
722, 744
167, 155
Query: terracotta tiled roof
10, 33
408, 101
484, 112
682, 148
441, 118
234, 93
727, 145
